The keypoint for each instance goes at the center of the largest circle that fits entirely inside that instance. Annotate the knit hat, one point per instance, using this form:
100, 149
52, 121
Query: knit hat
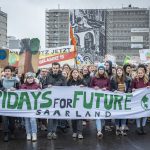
101, 66
29, 74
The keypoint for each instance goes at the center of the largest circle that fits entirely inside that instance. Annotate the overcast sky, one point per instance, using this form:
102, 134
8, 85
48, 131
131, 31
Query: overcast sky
26, 18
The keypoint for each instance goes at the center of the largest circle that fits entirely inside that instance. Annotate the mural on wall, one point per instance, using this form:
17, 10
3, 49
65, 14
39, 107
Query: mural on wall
89, 31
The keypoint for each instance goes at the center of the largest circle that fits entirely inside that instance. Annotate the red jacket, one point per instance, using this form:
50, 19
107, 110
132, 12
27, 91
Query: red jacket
136, 84
32, 86
101, 82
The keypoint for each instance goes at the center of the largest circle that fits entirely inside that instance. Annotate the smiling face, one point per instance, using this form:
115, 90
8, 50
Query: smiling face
140, 73
30, 80
128, 69
8, 73
66, 68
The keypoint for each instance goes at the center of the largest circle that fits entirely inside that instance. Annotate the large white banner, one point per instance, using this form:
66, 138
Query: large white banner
75, 103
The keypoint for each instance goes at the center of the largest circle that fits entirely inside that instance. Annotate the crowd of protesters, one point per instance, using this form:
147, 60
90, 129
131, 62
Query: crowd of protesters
105, 76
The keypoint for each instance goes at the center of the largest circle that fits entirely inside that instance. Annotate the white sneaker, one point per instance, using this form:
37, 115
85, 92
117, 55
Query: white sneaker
54, 136
74, 135
80, 136
28, 136
49, 136
99, 134
34, 137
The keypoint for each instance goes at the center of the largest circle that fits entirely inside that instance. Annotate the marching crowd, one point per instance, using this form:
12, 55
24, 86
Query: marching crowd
105, 76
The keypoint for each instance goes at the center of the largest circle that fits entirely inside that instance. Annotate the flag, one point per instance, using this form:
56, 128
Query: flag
127, 59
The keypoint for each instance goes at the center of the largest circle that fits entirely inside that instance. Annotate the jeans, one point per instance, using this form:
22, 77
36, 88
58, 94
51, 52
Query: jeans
99, 124
120, 123
8, 124
77, 126
141, 122
52, 125
30, 125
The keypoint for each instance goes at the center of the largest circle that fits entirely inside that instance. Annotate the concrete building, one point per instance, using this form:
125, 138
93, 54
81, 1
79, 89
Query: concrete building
3, 29
98, 32
57, 28
13, 43
127, 31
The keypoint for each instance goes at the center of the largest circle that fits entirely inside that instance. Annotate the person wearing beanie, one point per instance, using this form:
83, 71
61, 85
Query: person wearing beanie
100, 82
30, 123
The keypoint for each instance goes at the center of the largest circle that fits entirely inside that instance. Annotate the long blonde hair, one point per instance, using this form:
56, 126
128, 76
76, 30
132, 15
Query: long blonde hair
145, 78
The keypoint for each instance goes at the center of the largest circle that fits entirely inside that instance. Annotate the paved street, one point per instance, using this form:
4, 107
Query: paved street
90, 142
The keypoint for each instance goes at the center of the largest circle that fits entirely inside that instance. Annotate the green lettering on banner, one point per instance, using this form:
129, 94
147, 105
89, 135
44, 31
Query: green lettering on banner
108, 102
45, 97
35, 96
85, 103
118, 100
1, 93
128, 99
4, 99
76, 93
24, 98
12, 96
98, 95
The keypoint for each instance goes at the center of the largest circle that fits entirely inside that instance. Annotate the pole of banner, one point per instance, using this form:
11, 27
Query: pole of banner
75, 60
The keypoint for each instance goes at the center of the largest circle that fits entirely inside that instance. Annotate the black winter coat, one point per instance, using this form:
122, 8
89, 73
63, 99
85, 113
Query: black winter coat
114, 84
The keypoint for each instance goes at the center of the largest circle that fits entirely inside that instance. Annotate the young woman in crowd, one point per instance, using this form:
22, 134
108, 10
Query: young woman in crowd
100, 81
75, 79
108, 66
127, 70
121, 83
141, 81
65, 74
86, 75
67, 68
30, 123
